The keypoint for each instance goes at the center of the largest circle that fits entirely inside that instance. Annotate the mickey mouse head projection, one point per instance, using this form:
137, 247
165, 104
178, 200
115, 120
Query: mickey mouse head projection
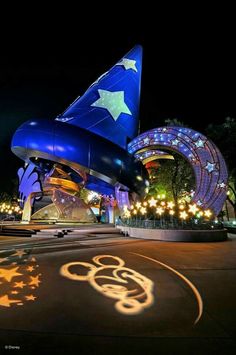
108, 275
132, 291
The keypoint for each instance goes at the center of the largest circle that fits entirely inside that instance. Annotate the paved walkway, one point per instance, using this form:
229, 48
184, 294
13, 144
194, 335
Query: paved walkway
182, 295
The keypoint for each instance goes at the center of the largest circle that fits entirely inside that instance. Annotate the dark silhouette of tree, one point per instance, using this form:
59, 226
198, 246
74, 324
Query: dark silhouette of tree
224, 136
174, 122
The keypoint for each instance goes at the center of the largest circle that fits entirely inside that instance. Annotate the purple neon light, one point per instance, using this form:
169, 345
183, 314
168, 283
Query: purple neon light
205, 158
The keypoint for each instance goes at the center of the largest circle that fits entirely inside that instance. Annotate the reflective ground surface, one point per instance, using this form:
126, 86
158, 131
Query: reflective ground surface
97, 292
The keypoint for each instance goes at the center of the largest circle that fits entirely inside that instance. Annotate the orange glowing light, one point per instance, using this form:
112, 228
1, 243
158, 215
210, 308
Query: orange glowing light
183, 215
193, 209
159, 210
170, 204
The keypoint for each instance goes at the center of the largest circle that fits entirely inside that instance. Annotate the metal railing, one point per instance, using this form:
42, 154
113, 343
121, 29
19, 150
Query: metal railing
170, 224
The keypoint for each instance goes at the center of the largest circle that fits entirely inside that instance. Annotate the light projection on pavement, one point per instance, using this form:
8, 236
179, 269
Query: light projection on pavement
185, 279
19, 278
132, 290
109, 276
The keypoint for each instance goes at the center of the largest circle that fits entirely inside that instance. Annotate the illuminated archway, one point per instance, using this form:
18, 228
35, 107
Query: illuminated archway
205, 158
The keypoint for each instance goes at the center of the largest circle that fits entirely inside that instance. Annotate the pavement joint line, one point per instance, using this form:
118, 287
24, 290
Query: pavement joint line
220, 325
82, 248
65, 239
58, 248
63, 243
207, 269
68, 242
120, 336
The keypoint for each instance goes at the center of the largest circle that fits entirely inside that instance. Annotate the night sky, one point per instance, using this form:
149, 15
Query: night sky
189, 76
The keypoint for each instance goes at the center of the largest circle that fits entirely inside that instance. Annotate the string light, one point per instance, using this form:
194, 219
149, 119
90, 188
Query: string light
193, 209
183, 215
143, 210
127, 214
10, 209
207, 213
170, 204
159, 210
152, 202
199, 214
186, 210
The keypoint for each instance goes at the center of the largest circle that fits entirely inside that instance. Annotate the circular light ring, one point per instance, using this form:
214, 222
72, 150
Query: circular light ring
208, 164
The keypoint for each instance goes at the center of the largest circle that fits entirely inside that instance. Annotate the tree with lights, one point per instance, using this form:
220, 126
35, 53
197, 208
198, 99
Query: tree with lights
172, 178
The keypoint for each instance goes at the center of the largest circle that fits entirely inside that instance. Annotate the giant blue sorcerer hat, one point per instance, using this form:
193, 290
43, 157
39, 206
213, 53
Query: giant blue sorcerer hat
110, 106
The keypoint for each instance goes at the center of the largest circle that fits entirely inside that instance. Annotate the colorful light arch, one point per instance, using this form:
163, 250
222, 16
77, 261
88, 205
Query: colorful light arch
208, 164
